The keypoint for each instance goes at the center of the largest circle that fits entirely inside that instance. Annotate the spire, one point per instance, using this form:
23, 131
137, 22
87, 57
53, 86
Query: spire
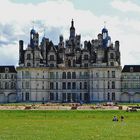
72, 30
72, 23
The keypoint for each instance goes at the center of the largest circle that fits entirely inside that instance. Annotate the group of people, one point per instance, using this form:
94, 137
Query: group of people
115, 119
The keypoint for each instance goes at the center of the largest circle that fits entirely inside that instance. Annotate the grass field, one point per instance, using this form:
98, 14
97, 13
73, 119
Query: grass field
68, 125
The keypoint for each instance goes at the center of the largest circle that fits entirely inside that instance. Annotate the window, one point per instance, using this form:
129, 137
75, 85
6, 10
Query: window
73, 85
56, 85
57, 75
56, 96
113, 74
52, 75
80, 96
80, 85
113, 96
68, 75
111, 63
108, 74
51, 65
51, 57
113, 85
108, 96
63, 85
28, 56
131, 69
69, 63
85, 85
28, 64
73, 75
111, 56
6, 76
51, 96
27, 97
6, 85
63, 97
51, 85
68, 85
27, 84
85, 64
86, 57
64, 75
108, 85
6, 69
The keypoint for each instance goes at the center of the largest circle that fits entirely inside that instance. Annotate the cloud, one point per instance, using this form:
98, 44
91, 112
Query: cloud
55, 17
125, 6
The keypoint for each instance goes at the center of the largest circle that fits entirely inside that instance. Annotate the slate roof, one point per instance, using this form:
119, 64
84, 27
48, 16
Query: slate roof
131, 68
11, 69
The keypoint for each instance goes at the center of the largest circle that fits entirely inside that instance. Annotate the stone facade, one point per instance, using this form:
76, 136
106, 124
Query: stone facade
68, 72
130, 84
8, 91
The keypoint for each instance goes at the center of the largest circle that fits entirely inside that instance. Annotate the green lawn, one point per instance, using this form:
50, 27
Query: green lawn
68, 125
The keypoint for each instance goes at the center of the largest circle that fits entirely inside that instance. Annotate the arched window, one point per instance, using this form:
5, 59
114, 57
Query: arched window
51, 57
68, 75
64, 75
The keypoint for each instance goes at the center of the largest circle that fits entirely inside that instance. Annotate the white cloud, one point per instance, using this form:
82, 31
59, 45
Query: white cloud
56, 16
125, 6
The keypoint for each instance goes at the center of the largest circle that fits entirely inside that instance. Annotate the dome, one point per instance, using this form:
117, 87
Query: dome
33, 31
104, 30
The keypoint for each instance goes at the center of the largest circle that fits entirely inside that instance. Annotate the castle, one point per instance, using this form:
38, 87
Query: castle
68, 72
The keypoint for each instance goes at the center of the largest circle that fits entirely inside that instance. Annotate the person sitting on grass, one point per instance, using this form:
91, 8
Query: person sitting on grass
115, 119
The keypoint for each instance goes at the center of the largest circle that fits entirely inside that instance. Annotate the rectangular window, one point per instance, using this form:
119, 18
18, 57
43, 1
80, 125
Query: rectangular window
51, 96
73, 85
113, 96
56, 85
113, 85
51, 75
27, 97
63, 85
113, 74
56, 96
80, 85
51, 85
85, 85
69, 85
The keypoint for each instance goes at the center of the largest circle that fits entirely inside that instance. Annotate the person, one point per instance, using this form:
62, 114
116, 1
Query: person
122, 118
115, 119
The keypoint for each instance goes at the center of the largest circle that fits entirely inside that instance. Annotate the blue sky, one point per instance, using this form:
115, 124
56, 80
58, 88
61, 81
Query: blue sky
54, 16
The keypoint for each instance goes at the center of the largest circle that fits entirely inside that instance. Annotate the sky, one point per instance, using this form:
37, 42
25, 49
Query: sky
51, 18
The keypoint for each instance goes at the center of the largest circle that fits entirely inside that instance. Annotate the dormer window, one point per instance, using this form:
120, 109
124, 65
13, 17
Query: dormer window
51, 57
6, 70
131, 69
